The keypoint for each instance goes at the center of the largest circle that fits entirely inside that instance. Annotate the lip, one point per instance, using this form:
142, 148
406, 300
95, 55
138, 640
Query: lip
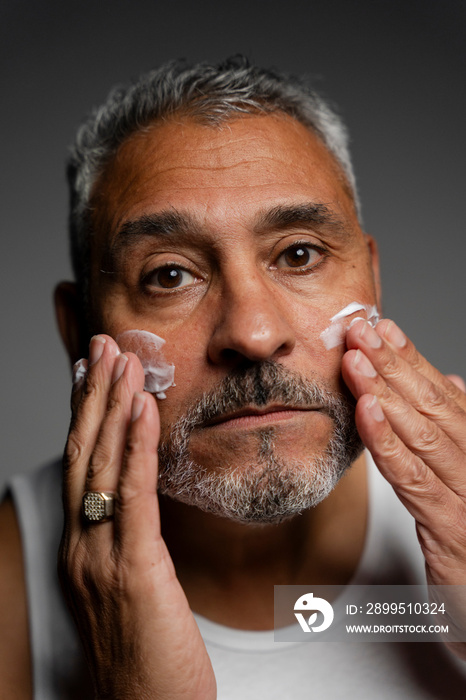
253, 416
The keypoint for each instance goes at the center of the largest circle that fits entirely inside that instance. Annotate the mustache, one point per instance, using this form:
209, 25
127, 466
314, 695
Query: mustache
265, 383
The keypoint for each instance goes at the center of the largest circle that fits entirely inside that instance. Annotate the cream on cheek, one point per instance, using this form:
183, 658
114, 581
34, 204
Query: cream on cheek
159, 374
334, 334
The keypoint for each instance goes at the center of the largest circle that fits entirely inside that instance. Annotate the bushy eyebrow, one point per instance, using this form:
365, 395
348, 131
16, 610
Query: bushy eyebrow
170, 223
164, 224
307, 215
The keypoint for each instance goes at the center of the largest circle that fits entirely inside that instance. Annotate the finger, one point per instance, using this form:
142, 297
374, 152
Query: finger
89, 407
428, 500
422, 436
102, 349
107, 456
402, 345
400, 376
137, 522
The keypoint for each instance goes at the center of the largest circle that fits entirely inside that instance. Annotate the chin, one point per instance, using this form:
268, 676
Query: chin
277, 471
268, 491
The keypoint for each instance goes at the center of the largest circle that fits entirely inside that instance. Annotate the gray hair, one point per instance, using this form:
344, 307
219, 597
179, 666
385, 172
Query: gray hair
210, 94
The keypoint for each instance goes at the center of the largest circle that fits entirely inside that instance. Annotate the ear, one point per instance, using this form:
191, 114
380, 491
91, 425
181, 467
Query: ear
70, 317
374, 259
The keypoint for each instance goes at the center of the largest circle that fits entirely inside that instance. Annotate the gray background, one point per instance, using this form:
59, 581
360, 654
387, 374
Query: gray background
395, 68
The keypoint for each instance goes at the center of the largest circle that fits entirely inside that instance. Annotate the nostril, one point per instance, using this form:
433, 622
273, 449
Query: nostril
255, 331
236, 359
229, 356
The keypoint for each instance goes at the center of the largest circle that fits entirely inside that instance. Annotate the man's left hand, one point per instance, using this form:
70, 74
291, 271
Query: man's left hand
412, 419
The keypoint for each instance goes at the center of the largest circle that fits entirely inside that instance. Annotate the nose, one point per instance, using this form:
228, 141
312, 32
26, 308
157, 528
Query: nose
251, 325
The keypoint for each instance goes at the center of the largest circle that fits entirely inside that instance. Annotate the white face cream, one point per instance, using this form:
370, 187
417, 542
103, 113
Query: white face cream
335, 333
158, 372
79, 370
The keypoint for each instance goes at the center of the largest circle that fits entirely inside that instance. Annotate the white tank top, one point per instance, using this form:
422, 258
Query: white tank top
248, 665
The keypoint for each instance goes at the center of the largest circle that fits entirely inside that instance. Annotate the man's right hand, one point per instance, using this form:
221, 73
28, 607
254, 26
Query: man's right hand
138, 632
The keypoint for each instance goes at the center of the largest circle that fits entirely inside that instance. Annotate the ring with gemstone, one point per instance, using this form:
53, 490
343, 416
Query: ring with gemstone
98, 506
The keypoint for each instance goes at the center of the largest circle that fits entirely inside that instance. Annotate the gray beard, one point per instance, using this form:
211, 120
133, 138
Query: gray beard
270, 489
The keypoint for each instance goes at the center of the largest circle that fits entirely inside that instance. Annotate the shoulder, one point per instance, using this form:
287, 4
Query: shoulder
15, 662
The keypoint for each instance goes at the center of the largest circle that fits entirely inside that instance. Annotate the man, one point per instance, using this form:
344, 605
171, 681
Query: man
215, 207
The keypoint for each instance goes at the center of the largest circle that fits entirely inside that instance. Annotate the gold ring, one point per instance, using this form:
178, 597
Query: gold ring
98, 506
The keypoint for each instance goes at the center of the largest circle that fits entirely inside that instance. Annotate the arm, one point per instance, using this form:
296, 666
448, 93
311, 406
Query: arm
137, 629
15, 662
413, 420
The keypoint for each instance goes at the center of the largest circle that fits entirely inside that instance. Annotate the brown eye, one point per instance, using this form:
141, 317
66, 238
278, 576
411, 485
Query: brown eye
169, 277
298, 256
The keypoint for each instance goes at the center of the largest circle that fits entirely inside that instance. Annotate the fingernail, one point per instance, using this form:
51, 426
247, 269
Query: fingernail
370, 337
119, 367
96, 349
395, 336
79, 373
375, 409
137, 406
356, 318
363, 365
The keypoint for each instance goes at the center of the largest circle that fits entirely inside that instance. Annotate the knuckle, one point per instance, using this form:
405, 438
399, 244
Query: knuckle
88, 582
134, 445
417, 481
428, 436
114, 405
93, 469
386, 394
82, 572
435, 398
392, 367
90, 387
451, 391
129, 495
392, 447
100, 464
70, 566
416, 360
419, 478
74, 450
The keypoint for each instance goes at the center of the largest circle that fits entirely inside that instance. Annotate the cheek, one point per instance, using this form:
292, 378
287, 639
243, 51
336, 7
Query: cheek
191, 379
148, 347
320, 342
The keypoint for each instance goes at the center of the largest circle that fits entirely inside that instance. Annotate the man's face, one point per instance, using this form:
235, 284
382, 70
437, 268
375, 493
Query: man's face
236, 245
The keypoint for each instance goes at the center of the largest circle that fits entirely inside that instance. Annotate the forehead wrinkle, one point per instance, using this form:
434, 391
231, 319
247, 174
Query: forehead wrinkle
243, 162
139, 176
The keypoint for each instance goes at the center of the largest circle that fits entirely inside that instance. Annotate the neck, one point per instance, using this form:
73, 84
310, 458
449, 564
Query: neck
218, 560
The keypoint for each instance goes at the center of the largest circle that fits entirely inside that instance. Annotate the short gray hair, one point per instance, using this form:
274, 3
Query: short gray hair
210, 94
